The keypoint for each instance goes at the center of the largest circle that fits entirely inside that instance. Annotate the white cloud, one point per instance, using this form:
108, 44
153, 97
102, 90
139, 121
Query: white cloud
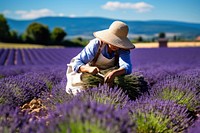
36, 13
138, 7
61, 14
72, 15
6, 12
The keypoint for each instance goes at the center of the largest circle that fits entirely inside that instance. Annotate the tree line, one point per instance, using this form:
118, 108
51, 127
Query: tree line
35, 33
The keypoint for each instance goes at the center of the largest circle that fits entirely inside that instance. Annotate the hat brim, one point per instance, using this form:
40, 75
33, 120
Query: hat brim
114, 40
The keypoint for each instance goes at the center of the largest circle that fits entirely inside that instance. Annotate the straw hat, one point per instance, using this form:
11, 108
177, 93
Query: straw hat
116, 35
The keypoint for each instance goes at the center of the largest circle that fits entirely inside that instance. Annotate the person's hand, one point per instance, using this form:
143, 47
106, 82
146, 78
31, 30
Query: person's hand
93, 70
89, 69
109, 78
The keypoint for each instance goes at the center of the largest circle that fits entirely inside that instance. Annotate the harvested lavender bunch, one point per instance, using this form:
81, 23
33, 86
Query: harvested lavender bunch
133, 85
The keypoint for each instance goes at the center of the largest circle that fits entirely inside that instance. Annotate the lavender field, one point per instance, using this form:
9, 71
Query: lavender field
33, 97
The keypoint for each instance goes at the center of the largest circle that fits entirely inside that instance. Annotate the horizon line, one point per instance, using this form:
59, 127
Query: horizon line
101, 18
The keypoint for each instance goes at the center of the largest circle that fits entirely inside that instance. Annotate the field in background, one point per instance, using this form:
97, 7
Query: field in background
18, 45
33, 96
170, 44
138, 45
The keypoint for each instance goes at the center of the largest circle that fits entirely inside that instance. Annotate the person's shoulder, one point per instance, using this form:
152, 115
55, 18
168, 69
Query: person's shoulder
94, 42
93, 45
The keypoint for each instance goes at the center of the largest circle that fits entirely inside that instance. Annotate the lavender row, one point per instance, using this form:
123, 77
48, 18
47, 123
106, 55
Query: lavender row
139, 57
166, 56
46, 56
167, 107
96, 111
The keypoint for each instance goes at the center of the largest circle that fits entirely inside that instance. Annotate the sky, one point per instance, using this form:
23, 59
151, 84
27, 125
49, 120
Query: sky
143, 10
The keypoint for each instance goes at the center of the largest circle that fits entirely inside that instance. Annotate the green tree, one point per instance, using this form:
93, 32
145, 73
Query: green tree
140, 39
58, 35
37, 33
162, 35
4, 29
14, 36
153, 39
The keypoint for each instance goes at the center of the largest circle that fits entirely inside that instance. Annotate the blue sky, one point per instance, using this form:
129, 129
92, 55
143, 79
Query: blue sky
178, 10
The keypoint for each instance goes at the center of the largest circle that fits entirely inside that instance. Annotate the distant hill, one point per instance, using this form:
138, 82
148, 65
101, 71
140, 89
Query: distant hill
85, 26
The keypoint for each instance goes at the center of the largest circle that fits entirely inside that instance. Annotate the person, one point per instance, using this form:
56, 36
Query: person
109, 48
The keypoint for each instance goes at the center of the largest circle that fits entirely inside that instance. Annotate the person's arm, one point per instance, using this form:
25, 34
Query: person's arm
85, 56
125, 66
90, 69
125, 61
111, 75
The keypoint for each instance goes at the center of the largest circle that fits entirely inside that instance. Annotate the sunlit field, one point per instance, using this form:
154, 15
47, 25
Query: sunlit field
162, 94
19, 45
138, 45
170, 44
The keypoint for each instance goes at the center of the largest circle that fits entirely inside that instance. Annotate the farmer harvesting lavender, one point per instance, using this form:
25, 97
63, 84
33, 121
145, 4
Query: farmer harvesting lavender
110, 49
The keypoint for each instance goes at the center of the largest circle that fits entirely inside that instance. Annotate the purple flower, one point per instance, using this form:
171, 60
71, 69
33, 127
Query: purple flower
89, 116
181, 90
57, 95
105, 95
12, 119
17, 90
195, 128
158, 116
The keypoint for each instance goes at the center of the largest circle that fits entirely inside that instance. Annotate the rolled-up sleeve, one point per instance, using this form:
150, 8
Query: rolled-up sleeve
86, 55
125, 61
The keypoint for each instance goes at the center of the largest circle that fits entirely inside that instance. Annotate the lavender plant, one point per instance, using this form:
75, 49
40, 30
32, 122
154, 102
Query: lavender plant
17, 90
155, 73
56, 96
50, 78
88, 116
179, 90
193, 76
105, 95
53, 70
12, 71
158, 116
12, 119
195, 128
